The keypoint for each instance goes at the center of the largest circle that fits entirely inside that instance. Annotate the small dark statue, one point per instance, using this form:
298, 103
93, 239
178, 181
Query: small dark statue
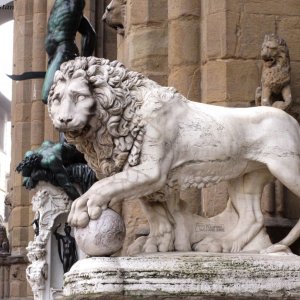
36, 225
66, 247
4, 243
66, 18
58, 163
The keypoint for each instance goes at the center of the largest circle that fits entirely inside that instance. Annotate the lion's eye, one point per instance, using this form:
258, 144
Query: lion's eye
56, 101
79, 98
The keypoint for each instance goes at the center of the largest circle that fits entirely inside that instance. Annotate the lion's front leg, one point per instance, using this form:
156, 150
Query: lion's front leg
161, 237
130, 184
266, 96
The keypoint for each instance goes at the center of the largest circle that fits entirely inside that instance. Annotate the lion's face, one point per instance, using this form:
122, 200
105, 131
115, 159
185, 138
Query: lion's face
269, 52
114, 15
273, 50
72, 106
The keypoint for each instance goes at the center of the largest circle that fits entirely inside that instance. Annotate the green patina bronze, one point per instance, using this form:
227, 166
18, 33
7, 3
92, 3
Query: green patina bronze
58, 163
66, 18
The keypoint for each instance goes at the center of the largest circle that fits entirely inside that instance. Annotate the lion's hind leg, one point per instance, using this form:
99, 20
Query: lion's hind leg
245, 194
287, 170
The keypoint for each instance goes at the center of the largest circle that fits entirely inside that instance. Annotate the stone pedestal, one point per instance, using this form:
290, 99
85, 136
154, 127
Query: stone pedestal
45, 272
187, 275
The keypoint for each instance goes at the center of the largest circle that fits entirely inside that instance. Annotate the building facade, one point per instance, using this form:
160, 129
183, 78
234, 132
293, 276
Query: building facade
207, 49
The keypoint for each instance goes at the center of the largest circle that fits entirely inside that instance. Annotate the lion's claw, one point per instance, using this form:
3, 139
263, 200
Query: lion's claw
276, 248
83, 219
94, 212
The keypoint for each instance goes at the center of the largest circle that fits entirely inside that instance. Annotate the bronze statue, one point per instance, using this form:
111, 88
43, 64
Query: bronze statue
66, 18
66, 247
61, 164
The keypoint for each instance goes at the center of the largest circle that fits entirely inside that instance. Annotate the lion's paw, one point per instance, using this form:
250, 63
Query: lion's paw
159, 243
78, 215
137, 246
277, 249
208, 245
239, 244
166, 242
219, 245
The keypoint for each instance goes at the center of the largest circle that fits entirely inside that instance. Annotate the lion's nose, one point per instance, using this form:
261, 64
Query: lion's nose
65, 120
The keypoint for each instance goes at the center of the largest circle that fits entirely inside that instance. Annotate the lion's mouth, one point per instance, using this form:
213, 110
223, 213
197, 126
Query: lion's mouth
78, 132
118, 26
74, 133
120, 29
269, 60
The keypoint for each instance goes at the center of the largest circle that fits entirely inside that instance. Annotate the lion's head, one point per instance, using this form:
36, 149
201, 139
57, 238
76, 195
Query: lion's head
274, 51
91, 102
115, 14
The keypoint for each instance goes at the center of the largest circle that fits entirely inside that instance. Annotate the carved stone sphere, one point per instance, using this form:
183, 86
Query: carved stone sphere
102, 237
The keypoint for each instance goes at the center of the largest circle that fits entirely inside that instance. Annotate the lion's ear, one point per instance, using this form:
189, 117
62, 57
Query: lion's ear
99, 72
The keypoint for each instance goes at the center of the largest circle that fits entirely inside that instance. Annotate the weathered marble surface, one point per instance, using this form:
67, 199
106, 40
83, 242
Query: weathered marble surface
186, 274
102, 237
147, 141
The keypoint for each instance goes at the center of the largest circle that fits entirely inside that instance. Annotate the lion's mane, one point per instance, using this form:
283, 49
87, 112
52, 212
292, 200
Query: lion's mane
118, 130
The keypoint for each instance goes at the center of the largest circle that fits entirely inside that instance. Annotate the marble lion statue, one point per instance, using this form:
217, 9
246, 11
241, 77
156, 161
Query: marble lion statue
275, 87
147, 141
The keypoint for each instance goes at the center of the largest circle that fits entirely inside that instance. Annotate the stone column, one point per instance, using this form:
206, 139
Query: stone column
19, 219
184, 63
106, 45
28, 126
38, 64
143, 48
21, 122
184, 47
231, 41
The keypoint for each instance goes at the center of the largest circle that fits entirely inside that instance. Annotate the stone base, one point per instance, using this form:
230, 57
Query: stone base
185, 275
